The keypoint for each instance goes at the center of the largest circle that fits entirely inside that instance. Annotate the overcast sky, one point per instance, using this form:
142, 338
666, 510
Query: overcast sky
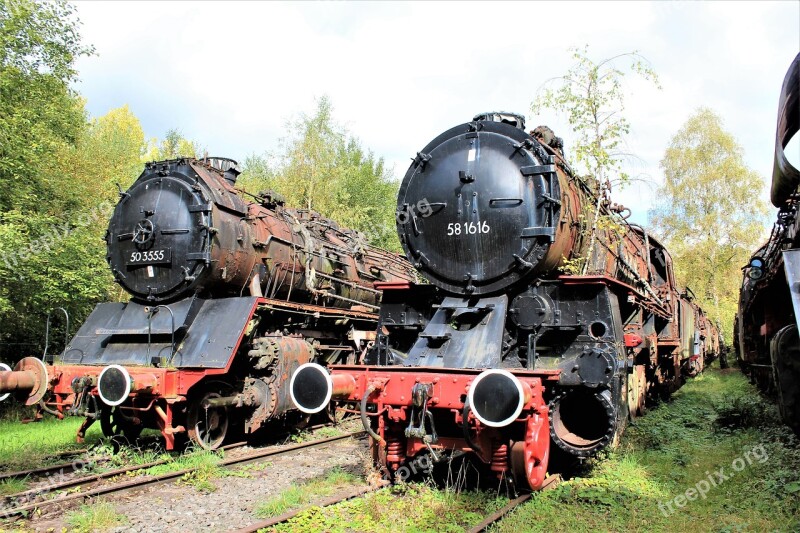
229, 75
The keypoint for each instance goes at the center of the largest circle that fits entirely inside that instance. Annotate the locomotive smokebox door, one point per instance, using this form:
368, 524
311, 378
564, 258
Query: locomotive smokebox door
158, 236
476, 209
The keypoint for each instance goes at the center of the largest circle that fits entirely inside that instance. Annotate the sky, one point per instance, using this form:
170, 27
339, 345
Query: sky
230, 74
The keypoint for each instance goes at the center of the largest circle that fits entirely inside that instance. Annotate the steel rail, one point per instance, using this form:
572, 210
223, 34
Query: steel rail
549, 483
89, 479
285, 517
46, 469
163, 478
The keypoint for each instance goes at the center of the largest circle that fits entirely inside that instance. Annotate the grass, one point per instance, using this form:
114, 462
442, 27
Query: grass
299, 495
98, 516
716, 424
12, 486
24, 446
412, 507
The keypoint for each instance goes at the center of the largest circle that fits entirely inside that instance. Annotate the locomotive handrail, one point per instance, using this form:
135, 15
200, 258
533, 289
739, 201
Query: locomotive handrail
150, 330
47, 332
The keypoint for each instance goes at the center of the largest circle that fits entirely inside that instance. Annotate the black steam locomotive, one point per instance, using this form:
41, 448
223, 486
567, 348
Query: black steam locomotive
548, 318
228, 297
766, 338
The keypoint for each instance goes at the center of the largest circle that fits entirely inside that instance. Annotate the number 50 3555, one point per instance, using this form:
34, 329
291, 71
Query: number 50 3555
467, 228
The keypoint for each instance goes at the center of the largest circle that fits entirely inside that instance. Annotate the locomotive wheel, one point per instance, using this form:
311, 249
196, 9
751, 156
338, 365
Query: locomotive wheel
208, 426
529, 458
114, 424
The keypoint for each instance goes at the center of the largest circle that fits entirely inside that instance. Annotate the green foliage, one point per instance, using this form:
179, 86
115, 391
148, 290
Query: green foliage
709, 213
173, 146
412, 507
53, 254
321, 167
12, 486
591, 95
297, 496
670, 450
39, 113
97, 516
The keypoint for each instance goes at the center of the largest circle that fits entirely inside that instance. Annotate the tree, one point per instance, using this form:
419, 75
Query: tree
39, 113
591, 95
709, 212
173, 146
321, 167
57, 258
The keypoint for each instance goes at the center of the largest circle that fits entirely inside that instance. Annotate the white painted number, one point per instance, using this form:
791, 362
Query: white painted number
153, 255
470, 228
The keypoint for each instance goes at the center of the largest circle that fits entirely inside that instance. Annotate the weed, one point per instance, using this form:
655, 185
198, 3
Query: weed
13, 486
97, 516
403, 507
712, 420
297, 496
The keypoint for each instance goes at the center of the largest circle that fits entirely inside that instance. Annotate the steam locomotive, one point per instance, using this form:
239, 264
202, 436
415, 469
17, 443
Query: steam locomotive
766, 342
548, 320
229, 296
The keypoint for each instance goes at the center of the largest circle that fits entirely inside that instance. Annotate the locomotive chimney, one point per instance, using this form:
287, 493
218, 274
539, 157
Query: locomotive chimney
229, 168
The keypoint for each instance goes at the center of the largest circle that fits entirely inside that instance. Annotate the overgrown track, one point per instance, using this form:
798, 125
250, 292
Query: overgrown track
549, 483
23, 510
72, 466
252, 528
76, 466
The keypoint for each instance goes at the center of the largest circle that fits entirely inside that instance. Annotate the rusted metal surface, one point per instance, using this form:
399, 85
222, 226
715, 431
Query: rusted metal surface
230, 295
28, 381
767, 320
785, 177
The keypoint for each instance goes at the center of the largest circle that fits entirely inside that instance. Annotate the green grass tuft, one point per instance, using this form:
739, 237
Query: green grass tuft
13, 486
98, 516
712, 421
405, 507
297, 496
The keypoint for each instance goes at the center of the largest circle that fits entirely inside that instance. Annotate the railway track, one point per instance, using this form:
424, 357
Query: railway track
69, 499
550, 482
270, 522
73, 467
78, 465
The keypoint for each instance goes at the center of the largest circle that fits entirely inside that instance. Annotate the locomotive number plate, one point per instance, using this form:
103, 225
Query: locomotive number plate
149, 257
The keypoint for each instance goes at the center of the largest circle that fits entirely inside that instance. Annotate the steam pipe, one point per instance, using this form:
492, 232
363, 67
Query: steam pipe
364, 419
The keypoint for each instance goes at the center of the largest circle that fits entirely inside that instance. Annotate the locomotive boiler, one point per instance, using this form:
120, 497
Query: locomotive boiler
547, 317
767, 343
229, 296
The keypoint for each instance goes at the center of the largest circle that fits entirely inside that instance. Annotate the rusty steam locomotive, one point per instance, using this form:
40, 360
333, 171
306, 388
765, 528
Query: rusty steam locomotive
766, 339
548, 318
228, 297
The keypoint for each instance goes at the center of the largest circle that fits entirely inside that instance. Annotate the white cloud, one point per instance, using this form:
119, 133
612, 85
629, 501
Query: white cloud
230, 74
